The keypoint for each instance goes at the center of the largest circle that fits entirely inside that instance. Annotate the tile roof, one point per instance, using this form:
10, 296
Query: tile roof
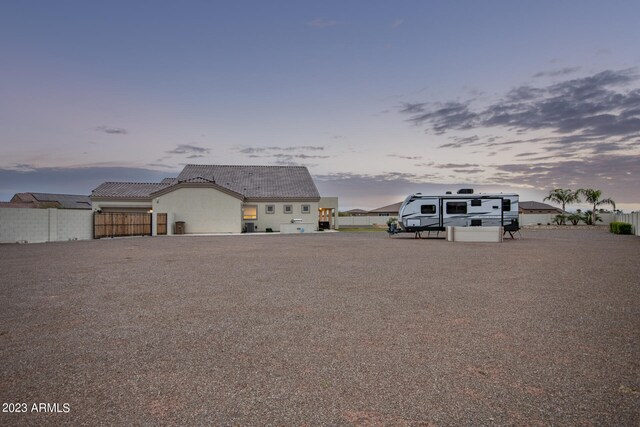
537, 206
249, 181
389, 208
128, 190
257, 181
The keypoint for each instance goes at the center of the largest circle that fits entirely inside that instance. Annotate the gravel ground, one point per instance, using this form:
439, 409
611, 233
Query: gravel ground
324, 329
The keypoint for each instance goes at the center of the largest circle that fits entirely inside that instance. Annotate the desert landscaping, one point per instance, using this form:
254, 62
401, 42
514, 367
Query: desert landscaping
333, 329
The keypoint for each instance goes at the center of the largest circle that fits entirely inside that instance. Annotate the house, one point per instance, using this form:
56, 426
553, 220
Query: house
225, 198
537, 208
354, 212
389, 210
47, 200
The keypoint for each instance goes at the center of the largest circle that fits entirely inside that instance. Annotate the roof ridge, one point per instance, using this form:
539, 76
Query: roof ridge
131, 182
250, 166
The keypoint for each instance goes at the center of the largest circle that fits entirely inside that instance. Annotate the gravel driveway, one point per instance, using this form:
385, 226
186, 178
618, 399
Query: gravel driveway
324, 329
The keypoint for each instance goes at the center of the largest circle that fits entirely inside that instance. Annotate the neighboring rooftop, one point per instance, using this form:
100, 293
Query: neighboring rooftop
50, 200
538, 206
393, 208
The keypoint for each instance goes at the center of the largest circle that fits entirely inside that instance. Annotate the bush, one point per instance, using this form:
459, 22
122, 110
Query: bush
560, 219
620, 227
269, 230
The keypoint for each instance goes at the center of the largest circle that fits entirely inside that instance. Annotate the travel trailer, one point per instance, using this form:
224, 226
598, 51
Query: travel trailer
421, 212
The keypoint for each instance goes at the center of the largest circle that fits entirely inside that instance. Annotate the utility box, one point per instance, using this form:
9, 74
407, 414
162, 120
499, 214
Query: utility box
180, 227
251, 227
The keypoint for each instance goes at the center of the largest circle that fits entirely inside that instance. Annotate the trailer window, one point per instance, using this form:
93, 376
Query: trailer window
476, 202
456, 207
506, 205
428, 209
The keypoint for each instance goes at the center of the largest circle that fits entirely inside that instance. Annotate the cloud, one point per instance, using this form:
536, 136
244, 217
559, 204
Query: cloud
372, 191
397, 22
193, 150
556, 73
576, 112
456, 165
412, 108
111, 130
272, 149
405, 157
616, 175
323, 23
71, 180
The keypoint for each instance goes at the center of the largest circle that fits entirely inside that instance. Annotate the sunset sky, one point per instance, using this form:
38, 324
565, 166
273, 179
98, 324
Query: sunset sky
379, 99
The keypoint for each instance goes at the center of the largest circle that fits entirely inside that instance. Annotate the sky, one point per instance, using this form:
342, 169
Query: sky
378, 99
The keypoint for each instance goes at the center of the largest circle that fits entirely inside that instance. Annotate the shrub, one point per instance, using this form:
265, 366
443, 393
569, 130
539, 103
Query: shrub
620, 227
575, 218
560, 219
269, 230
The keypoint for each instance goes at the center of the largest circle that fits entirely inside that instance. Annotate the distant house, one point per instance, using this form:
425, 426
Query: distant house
224, 198
537, 208
48, 200
354, 212
389, 210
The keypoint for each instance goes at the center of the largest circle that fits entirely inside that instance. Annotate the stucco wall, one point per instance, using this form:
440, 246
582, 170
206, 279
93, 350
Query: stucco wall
204, 210
274, 220
45, 225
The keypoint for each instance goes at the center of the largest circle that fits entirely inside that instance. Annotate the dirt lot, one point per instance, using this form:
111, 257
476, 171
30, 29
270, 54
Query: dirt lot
333, 329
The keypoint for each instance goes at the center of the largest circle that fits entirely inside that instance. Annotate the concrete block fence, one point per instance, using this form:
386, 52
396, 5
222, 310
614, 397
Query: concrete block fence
44, 225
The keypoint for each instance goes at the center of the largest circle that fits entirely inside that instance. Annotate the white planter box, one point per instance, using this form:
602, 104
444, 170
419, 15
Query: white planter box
474, 234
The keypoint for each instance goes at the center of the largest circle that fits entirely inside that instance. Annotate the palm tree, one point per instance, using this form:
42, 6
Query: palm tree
563, 196
593, 196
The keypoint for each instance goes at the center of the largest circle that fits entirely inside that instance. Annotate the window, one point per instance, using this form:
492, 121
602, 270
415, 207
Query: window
250, 212
476, 202
270, 209
456, 207
288, 209
428, 209
506, 205
305, 209
383, 214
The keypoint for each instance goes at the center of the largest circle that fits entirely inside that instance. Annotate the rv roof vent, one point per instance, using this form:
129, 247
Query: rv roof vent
465, 191
448, 192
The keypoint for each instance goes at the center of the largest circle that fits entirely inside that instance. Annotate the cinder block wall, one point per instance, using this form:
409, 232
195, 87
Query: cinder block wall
44, 225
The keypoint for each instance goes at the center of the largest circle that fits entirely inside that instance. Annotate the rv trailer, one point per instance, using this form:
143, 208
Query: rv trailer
421, 212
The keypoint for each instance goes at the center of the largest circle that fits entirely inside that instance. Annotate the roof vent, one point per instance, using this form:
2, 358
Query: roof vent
448, 192
465, 191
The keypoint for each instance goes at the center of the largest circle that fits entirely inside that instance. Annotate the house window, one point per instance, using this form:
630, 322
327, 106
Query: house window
476, 202
456, 207
288, 209
306, 209
428, 209
250, 212
383, 214
506, 205
270, 209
